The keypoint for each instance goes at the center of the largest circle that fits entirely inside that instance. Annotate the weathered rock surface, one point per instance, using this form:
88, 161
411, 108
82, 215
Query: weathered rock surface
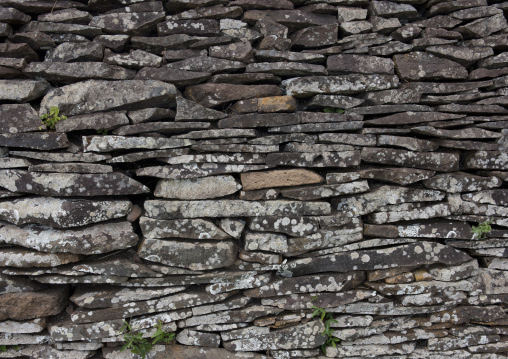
29, 305
184, 228
22, 90
279, 178
419, 66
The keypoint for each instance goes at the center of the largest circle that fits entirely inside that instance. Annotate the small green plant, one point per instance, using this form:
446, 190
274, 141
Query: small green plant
50, 120
327, 319
142, 346
333, 110
102, 132
4, 348
482, 229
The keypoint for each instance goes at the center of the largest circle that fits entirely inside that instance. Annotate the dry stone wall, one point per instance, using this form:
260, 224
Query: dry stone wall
225, 165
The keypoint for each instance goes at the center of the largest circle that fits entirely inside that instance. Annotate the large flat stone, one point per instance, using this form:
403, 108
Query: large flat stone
76, 71
181, 228
61, 213
195, 170
279, 178
22, 90
316, 159
69, 184
19, 118
193, 255
198, 188
135, 23
437, 161
487, 160
112, 143
417, 66
96, 239
25, 258
339, 85
101, 120
232, 208
406, 255
97, 95
37, 141
177, 77
461, 182
350, 63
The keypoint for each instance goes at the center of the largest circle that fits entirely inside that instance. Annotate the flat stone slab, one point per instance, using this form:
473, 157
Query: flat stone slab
232, 208
422, 253
417, 66
77, 71
401, 176
22, 90
139, 23
461, 182
96, 239
99, 95
181, 228
497, 197
25, 258
436, 161
487, 160
30, 305
279, 178
37, 141
61, 213
325, 191
339, 85
317, 159
94, 121
69, 184
197, 188
112, 143
196, 170
19, 118
61, 156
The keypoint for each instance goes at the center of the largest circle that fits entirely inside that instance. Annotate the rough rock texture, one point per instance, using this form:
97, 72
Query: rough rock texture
227, 169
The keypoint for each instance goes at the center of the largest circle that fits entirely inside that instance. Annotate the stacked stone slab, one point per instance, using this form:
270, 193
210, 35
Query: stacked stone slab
227, 165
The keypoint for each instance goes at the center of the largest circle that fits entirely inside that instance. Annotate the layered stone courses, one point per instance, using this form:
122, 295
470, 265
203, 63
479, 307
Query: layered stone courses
227, 165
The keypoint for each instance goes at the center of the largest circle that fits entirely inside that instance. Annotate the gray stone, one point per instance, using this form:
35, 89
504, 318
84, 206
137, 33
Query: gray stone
186, 352
113, 42
338, 85
75, 52
25, 258
437, 161
345, 63
199, 188
96, 95
320, 127
321, 147
135, 24
202, 27
487, 160
405, 255
61, 28
18, 118
402, 176
192, 337
63, 184
258, 120
461, 182
293, 19
418, 66
183, 228
135, 59
237, 51
61, 156
71, 168
325, 191
274, 55
466, 133
294, 226
412, 118
235, 147
30, 305
484, 27
392, 9
463, 55
286, 68
410, 143
61, 213
333, 101
159, 127
112, 143
197, 256
102, 120
178, 77
315, 35
407, 212
150, 114
22, 90
195, 170
496, 197
191, 111
233, 227
207, 64
384, 195
26, 327
157, 45
68, 16
262, 241
232, 208
318, 159
15, 284
97, 239
13, 16
37, 141
346, 138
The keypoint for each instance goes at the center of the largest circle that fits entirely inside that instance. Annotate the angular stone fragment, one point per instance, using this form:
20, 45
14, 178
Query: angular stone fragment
487, 160
197, 256
201, 339
61, 28
438, 161
61, 213
409, 212
484, 27
402, 176
391, 9
207, 64
101, 120
350, 63
213, 95
410, 143
295, 226
191, 111
75, 52
312, 36
466, 133
158, 45
418, 66
412, 117
160, 127
77, 71
184, 228
350, 139
496, 197
22, 90
95, 239
405, 255
61, 156
339, 85
465, 56
241, 51
286, 68
235, 147
63, 184
293, 19
199, 188
112, 143
202, 27
36, 141
30, 305
195, 170
258, 120
232, 208
136, 59
324, 191
333, 101
461, 182
279, 178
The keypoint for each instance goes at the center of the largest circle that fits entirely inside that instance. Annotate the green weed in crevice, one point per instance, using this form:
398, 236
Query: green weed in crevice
327, 319
142, 346
50, 120
333, 110
482, 229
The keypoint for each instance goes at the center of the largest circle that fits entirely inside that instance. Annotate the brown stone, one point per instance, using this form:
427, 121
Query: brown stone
30, 305
279, 178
